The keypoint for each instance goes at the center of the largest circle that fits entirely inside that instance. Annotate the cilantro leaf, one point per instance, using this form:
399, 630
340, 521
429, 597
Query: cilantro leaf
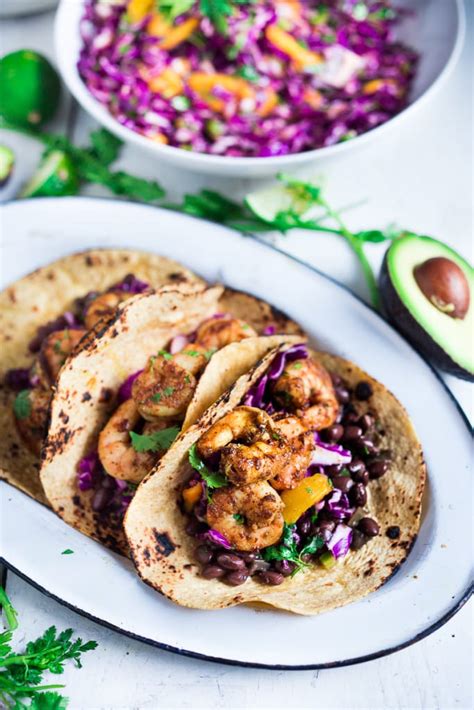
105, 145
48, 701
156, 441
67, 551
165, 354
287, 549
9, 610
172, 9
22, 405
312, 546
213, 479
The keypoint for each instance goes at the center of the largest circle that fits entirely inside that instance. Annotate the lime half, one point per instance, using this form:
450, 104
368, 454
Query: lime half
30, 88
55, 177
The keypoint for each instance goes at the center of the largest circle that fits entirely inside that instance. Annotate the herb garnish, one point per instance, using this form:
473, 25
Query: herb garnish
287, 549
239, 518
213, 480
22, 405
167, 392
21, 674
217, 11
165, 354
156, 441
67, 551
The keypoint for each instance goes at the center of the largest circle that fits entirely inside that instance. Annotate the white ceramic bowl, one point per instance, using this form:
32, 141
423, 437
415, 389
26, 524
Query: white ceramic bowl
436, 31
12, 8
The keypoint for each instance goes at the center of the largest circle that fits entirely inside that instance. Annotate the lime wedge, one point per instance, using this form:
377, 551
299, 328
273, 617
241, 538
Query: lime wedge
55, 177
30, 88
269, 202
7, 163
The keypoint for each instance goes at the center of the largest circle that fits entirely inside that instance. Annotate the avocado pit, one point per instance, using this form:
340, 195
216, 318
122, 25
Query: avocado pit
444, 285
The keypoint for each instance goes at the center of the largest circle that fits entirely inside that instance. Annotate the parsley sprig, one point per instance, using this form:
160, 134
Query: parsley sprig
213, 479
287, 548
21, 674
217, 11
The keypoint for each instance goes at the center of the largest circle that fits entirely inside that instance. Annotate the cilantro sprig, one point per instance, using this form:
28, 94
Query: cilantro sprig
21, 674
156, 441
217, 11
212, 479
287, 548
22, 405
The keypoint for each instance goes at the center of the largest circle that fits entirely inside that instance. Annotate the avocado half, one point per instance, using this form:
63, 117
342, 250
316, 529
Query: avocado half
447, 341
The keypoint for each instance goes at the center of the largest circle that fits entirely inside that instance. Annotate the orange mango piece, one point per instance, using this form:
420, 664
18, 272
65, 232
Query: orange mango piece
271, 101
158, 26
312, 97
203, 84
167, 84
138, 9
179, 34
308, 492
159, 138
191, 496
371, 87
286, 43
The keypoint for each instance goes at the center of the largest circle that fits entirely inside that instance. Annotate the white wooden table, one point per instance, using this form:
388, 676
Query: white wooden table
419, 176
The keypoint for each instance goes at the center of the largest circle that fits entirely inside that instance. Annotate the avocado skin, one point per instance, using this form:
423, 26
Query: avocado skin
401, 318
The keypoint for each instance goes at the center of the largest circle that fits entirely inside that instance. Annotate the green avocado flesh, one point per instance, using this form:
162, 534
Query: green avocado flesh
454, 336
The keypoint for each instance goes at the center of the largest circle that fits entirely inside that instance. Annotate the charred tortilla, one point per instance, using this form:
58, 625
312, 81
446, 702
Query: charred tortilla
40, 297
86, 389
164, 553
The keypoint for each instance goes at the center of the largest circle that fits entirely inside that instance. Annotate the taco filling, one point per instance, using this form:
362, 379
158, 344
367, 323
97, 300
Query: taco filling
281, 482
152, 407
52, 344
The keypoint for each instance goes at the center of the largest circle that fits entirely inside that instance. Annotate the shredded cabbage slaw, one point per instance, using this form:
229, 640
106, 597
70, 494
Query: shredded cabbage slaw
286, 76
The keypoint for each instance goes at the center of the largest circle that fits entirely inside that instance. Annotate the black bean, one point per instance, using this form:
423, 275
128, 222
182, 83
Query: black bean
248, 556
366, 422
393, 532
352, 432
304, 526
342, 395
333, 470
329, 525
358, 495
361, 476
203, 554
270, 577
237, 577
213, 572
258, 566
350, 417
355, 465
335, 432
377, 468
305, 557
358, 540
369, 527
344, 483
363, 390
230, 561
284, 567
192, 526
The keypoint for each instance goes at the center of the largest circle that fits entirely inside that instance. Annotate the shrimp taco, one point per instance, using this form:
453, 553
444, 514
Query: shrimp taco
300, 488
123, 398
43, 318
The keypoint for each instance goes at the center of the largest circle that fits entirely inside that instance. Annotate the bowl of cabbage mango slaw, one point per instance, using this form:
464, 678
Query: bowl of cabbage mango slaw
250, 87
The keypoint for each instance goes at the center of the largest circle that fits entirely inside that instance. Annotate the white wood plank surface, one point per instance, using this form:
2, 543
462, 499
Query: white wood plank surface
419, 176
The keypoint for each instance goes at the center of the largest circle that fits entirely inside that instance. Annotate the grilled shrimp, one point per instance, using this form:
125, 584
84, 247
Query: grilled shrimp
32, 427
250, 448
164, 388
301, 445
116, 452
305, 388
54, 351
249, 517
104, 306
218, 332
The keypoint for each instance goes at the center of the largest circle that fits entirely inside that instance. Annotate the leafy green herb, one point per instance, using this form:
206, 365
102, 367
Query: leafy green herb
314, 517
156, 441
21, 674
213, 480
67, 551
209, 353
168, 391
187, 379
180, 103
344, 472
156, 397
249, 73
165, 354
172, 9
297, 366
22, 405
192, 353
239, 518
287, 549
